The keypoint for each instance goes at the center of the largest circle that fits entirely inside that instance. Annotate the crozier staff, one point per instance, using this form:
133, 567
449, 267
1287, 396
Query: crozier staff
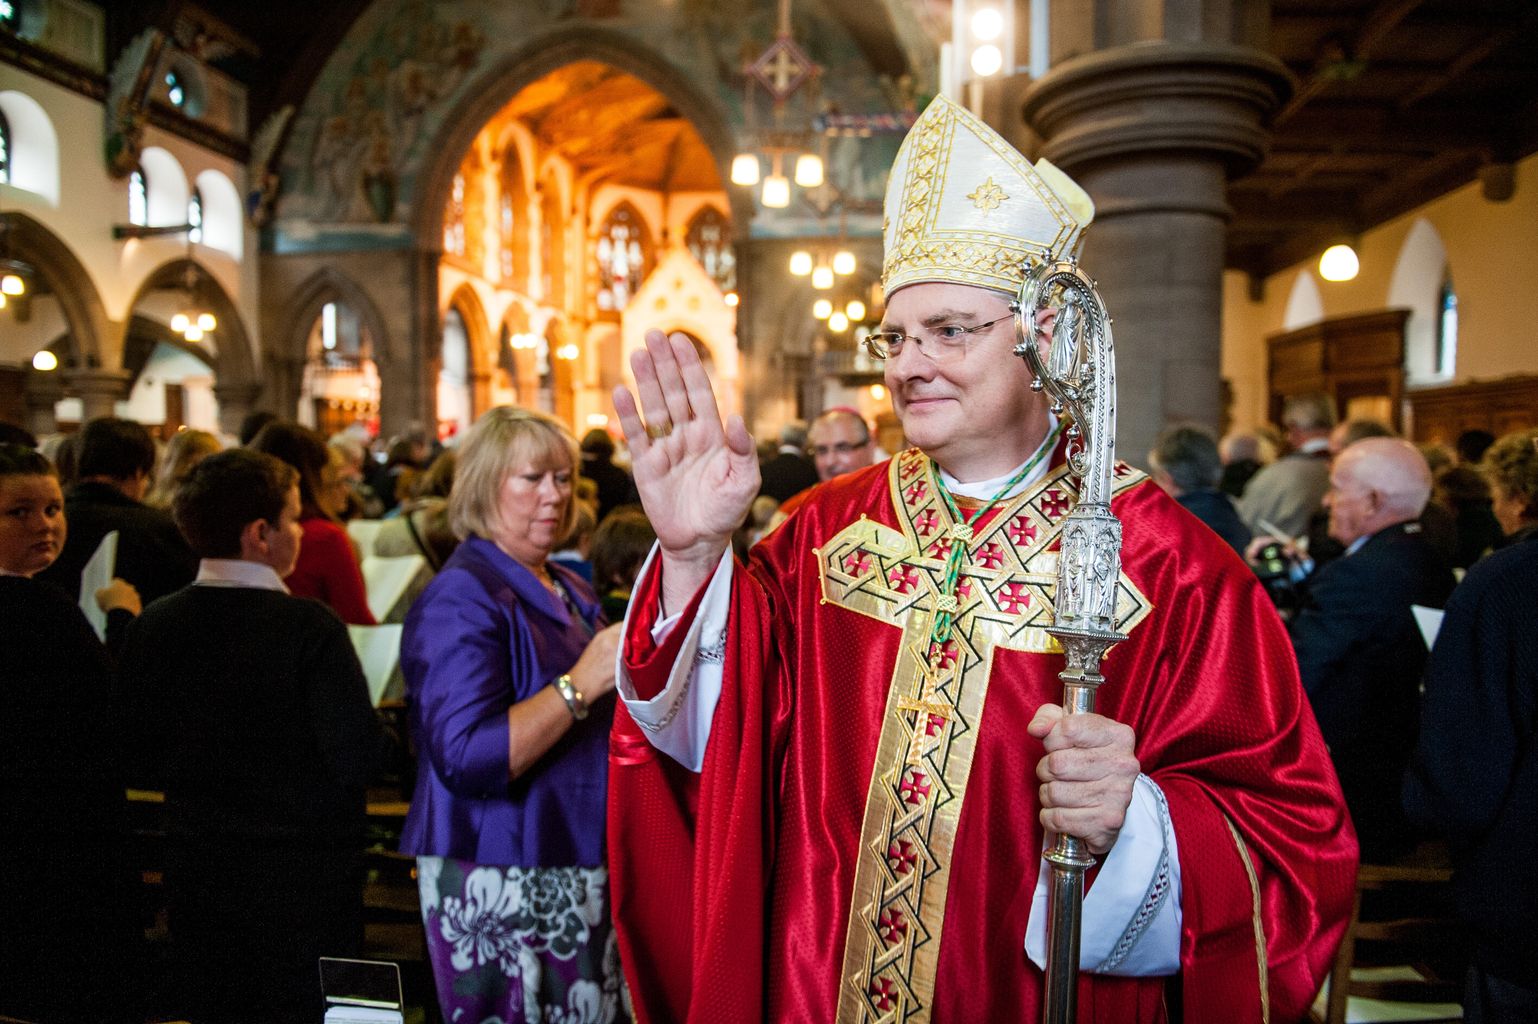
861, 835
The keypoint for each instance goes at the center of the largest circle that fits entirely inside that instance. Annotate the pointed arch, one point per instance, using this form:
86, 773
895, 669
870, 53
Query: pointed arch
623, 254
1420, 272
330, 285
1304, 303
234, 362
537, 58
68, 280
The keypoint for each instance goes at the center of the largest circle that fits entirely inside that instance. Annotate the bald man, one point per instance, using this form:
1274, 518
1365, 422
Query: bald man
840, 442
1360, 654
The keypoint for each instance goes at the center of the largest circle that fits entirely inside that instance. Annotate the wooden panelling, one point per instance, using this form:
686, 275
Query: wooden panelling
1357, 359
1499, 406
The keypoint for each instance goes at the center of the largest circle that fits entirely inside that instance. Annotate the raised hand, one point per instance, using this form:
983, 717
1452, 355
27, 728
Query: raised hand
697, 477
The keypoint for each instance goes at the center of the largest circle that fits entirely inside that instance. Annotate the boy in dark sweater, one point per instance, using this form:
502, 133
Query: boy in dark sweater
248, 707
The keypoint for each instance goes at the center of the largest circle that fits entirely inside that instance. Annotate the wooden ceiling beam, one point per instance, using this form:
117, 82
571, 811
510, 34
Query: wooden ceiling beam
1477, 52
1335, 52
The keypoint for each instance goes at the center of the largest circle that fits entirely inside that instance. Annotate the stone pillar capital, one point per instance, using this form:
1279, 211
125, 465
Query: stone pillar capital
1207, 100
99, 390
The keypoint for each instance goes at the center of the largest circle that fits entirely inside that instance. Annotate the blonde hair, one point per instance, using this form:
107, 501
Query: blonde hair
185, 450
1511, 465
503, 440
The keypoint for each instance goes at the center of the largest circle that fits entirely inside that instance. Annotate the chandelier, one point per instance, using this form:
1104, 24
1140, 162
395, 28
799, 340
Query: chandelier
781, 70
14, 274
191, 322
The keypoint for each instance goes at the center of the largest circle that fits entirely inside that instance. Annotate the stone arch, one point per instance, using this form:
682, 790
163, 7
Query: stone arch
329, 285
234, 359
1304, 303
479, 340
68, 280
537, 58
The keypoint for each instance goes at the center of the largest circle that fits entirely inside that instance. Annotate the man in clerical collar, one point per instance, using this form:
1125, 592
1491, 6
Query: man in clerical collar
837, 765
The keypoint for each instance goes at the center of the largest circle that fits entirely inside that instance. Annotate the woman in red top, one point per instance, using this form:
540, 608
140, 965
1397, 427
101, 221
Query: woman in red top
328, 568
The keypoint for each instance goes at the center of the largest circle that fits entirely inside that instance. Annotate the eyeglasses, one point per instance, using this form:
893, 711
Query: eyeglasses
818, 451
942, 344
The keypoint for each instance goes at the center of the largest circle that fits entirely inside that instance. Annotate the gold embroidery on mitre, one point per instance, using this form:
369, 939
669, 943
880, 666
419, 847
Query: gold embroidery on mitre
932, 234
987, 196
934, 706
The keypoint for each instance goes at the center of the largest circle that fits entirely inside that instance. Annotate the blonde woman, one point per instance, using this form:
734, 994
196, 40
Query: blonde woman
509, 675
186, 449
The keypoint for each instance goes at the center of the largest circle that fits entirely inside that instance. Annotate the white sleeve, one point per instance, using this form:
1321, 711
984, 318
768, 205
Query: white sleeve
1131, 920
677, 720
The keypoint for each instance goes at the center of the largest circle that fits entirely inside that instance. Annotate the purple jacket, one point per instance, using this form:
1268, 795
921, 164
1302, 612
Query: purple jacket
483, 636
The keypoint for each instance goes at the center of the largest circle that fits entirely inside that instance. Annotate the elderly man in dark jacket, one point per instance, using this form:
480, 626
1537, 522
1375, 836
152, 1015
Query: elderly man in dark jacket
1360, 653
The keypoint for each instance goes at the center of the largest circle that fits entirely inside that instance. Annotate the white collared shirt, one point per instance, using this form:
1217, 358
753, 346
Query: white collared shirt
237, 572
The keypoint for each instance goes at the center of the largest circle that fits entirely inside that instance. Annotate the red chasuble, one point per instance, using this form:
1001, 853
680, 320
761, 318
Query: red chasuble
863, 841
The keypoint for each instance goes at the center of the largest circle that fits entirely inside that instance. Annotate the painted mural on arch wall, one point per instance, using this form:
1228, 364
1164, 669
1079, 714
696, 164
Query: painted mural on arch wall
364, 137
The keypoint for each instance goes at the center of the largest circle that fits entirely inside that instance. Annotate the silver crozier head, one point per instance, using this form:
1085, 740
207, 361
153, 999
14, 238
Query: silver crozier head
1077, 369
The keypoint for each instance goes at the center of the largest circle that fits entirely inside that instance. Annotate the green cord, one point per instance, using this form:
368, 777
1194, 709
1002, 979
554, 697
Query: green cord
961, 534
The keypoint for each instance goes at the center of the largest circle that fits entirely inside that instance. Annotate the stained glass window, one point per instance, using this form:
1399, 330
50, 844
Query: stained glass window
552, 244
195, 217
138, 197
512, 229
454, 218
709, 239
5, 147
1447, 329
624, 257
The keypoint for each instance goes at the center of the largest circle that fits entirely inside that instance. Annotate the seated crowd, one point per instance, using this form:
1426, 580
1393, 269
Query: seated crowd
176, 623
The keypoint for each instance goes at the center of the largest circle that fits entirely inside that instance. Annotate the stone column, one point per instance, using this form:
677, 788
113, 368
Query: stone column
42, 392
1153, 132
235, 402
99, 391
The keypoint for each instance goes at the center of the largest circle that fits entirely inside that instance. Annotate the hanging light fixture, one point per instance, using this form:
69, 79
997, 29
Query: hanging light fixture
780, 71
1339, 263
45, 361
192, 323
822, 277
822, 309
808, 170
14, 274
776, 194
745, 169
800, 263
838, 323
855, 310
568, 351
844, 263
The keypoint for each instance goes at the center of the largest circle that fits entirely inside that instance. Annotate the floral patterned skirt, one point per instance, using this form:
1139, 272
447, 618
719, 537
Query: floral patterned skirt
529, 945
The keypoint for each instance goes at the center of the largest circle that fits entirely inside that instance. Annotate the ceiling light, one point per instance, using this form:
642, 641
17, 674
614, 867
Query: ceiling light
1339, 263
207, 321
45, 360
987, 23
855, 310
838, 323
180, 322
776, 191
822, 278
822, 309
744, 169
987, 60
844, 263
12, 284
568, 351
808, 170
731, 299
800, 263
193, 333
877, 392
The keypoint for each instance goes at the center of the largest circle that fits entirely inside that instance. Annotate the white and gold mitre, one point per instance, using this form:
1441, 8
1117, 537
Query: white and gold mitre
963, 207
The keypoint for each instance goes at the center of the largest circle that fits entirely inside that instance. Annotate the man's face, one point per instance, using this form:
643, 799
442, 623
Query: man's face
975, 412
839, 444
1353, 507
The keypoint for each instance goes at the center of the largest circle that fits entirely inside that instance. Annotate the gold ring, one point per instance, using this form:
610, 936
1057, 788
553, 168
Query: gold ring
657, 431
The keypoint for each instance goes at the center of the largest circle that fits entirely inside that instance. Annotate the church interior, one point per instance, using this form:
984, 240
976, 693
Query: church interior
377, 217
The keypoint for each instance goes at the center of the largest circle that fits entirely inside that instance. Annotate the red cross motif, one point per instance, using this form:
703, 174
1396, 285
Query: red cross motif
892, 927
916, 491
1013, 598
910, 467
915, 787
883, 994
944, 655
900, 856
926, 522
857, 562
935, 723
1022, 531
990, 556
1122, 470
903, 578
941, 548
964, 587
1055, 504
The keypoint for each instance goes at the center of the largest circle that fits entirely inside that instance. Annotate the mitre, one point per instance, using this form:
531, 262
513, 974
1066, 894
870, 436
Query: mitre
964, 207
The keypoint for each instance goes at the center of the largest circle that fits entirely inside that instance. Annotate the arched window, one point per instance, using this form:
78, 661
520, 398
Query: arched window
195, 216
138, 197
624, 258
512, 230
1447, 329
5, 149
710, 243
454, 218
552, 244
